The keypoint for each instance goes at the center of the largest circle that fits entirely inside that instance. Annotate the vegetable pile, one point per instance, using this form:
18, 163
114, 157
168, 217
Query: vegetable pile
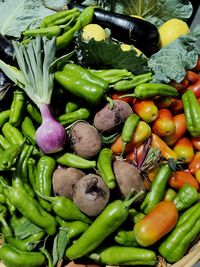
100, 138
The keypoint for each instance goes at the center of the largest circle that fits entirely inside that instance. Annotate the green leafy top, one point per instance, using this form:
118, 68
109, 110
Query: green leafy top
171, 62
108, 54
17, 15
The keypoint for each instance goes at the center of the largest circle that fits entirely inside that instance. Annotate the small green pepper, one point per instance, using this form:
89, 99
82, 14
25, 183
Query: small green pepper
60, 18
49, 32
126, 238
125, 85
4, 117
65, 208
81, 83
186, 197
66, 38
175, 245
157, 190
17, 108
31, 209
13, 257
148, 90
118, 255
104, 165
71, 106
128, 129
43, 183
74, 228
75, 161
192, 112
106, 223
79, 114
112, 75
4, 142
34, 113
8, 157
12, 134
28, 130
32, 170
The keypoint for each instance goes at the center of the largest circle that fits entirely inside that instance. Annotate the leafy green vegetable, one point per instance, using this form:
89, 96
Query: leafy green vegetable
108, 54
59, 245
17, 15
26, 228
171, 62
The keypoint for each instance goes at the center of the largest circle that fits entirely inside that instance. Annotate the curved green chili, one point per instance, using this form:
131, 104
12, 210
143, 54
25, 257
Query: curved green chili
4, 117
17, 108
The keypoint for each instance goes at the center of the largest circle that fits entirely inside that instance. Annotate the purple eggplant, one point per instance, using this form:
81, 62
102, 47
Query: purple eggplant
141, 33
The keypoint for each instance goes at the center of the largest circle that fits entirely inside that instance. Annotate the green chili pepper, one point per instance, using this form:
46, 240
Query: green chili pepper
17, 108
65, 208
170, 194
3, 142
4, 117
43, 183
148, 90
106, 223
74, 228
72, 160
125, 85
71, 106
49, 32
34, 113
135, 215
186, 197
118, 255
104, 165
157, 190
59, 18
13, 257
112, 75
31, 209
85, 18
192, 112
8, 157
79, 114
126, 238
27, 244
12, 134
32, 170
128, 129
80, 82
178, 241
28, 130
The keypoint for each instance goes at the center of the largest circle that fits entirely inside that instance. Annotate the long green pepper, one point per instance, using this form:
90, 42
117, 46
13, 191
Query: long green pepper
70, 117
104, 165
17, 108
192, 112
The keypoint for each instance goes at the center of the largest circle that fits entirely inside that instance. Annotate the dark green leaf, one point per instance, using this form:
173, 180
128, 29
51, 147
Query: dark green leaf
25, 228
59, 245
109, 139
108, 54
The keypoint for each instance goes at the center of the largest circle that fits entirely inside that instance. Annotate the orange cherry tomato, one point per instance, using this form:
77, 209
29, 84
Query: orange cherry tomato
164, 124
179, 178
194, 165
156, 224
180, 124
146, 110
184, 149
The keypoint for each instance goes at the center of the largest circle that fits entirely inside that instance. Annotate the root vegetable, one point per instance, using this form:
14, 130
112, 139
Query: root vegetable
108, 118
85, 140
128, 178
91, 194
64, 180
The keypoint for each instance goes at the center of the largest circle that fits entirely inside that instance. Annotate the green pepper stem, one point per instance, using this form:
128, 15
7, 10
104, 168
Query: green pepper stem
110, 101
129, 200
127, 95
48, 198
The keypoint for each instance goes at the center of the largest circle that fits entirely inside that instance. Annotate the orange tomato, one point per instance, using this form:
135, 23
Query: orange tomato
179, 178
184, 149
194, 165
156, 224
164, 124
146, 110
196, 142
180, 125
166, 151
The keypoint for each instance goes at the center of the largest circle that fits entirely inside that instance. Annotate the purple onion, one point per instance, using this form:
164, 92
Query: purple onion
50, 136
